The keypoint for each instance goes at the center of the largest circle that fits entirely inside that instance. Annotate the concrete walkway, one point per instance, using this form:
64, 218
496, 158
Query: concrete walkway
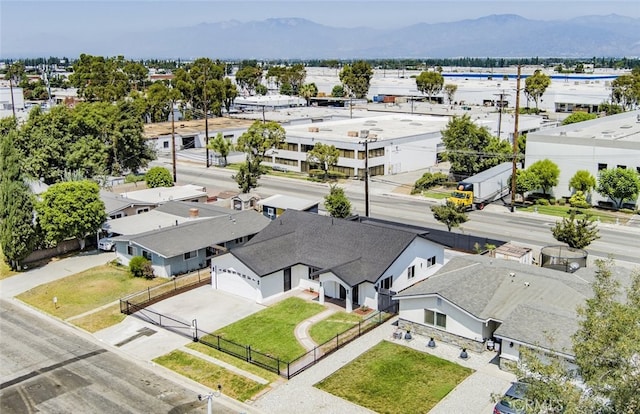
302, 330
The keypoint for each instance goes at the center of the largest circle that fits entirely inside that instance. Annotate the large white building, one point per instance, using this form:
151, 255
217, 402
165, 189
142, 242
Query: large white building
603, 143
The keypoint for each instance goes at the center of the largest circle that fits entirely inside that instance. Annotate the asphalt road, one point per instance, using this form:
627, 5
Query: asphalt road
49, 368
623, 243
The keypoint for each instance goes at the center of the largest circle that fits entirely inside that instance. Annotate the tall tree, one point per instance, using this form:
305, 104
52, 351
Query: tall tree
202, 86
450, 214
577, 233
536, 85
450, 90
337, 203
70, 209
222, 146
430, 83
248, 78
100, 79
525, 181
230, 93
323, 155
619, 184
547, 172
259, 138
625, 89
356, 78
160, 100
308, 91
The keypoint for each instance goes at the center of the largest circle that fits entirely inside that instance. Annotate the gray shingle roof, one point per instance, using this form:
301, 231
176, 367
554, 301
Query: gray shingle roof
115, 202
355, 252
197, 234
181, 208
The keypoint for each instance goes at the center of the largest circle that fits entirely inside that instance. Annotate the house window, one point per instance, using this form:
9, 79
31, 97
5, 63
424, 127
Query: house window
165, 144
116, 216
602, 166
411, 272
190, 255
387, 283
239, 240
146, 254
313, 270
431, 261
142, 210
131, 251
624, 167
271, 212
435, 319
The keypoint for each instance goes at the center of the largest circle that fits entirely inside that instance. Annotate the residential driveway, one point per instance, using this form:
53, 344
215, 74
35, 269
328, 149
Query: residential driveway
211, 309
55, 269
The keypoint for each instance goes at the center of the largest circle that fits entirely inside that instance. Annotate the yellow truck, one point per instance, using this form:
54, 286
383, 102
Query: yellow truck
483, 188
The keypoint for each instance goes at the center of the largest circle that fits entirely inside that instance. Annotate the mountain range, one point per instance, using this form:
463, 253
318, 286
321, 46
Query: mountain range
505, 35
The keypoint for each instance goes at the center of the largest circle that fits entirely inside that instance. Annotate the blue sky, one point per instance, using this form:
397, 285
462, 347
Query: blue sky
94, 16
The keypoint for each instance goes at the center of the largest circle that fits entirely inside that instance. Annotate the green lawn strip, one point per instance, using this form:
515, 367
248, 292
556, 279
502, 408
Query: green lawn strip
271, 331
329, 327
391, 378
563, 211
86, 290
237, 362
436, 194
5, 269
101, 319
210, 375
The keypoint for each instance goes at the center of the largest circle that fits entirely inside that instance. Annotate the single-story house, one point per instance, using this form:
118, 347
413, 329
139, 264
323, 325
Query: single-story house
159, 195
189, 245
273, 207
117, 205
477, 302
358, 263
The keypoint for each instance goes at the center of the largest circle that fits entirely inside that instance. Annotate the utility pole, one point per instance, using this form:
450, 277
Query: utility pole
515, 145
173, 143
366, 177
206, 119
13, 105
501, 95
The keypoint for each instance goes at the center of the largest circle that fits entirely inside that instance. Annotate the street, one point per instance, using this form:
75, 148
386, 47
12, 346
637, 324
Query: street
496, 221
49, 368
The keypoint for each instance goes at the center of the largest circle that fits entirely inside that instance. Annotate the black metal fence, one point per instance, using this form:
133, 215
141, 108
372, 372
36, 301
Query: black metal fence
163, 291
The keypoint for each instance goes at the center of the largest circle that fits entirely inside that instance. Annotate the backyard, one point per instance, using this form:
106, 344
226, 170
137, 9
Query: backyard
391, 378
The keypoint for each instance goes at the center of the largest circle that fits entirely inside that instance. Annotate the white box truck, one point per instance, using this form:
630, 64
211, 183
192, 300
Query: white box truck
483, 188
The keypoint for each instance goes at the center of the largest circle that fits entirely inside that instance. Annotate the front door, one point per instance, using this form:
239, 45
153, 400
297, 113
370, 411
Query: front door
354, 295
287, 279
343, 293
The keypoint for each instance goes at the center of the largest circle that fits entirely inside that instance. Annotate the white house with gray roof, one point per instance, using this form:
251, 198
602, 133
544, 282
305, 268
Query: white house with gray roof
190, 244
475, 300
359, 263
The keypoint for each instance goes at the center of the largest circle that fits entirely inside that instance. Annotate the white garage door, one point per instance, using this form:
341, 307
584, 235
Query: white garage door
235, 284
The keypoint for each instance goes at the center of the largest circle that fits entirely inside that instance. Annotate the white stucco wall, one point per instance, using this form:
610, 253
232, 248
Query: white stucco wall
368, 295
458, 322
416, 254
273, 284
228, 277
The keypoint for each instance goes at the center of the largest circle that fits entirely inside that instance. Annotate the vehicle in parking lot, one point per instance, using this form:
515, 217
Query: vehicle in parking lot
508, 403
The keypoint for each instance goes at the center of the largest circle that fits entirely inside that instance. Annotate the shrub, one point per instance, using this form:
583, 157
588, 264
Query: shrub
626, 210
141, 267
552, 201
336, 174
579, 200
542, 202
562, 201
428, 180
158, 177
134, 178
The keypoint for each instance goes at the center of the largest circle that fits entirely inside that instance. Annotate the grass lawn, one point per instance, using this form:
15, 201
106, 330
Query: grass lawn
5, 270
271, 331
391, 378
563, 211
86, 290
439, 195
210, 375
244, 365
328, 328
101, 319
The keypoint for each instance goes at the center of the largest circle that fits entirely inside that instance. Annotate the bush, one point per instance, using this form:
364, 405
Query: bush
542, 202
562, 201
626, 210
158, 177
552, 201
579, 200
336, 174
427, 181
141, 267
134, 178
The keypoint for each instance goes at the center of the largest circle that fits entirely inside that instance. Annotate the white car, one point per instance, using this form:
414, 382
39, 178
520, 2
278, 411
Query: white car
106, 244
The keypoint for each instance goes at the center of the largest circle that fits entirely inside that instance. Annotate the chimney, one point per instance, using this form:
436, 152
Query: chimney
193, 213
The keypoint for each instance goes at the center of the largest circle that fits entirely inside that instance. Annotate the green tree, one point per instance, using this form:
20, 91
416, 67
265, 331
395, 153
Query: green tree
140, 266
338, 91
619, 184
576, 232
610, 108
201, 85
356, 78
525, 181
308, 91
427, 181
578, 117
450, 90
337, 203
430, 83
158, 177
547, 172
259, 138
625, 90
450, 214
222, 146
323, 155
100, 79
536, 85
70, 209
471, 148
160, 100
248, 78
230, 93
583, 181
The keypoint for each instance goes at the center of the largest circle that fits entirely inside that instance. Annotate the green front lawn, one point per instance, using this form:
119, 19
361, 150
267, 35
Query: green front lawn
391, 378
271, 331
86, 290
328, 328
101, 319
210, 375
5, 270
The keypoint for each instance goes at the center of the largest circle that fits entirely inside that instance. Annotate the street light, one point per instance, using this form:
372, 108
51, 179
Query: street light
209, 398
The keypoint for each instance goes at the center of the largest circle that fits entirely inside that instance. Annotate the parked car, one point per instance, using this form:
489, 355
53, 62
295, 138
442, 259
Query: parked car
107, 244
506, 405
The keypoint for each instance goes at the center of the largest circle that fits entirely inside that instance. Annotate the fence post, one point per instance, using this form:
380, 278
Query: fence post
278, 361
248, 353
218, 336
359, 328
174, 284
149, 294
194, 330
337, 342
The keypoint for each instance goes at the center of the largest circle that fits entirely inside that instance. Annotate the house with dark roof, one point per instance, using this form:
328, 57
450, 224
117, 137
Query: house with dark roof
117, 206
477, 302
192, 242
362, 264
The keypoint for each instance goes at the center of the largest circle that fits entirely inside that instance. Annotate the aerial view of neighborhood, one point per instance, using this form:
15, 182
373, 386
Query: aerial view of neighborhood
318, 206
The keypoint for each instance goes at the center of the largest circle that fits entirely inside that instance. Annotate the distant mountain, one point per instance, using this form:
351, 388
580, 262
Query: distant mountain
294, 38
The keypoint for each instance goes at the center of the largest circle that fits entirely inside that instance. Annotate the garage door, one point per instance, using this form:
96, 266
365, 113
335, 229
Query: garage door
235, 284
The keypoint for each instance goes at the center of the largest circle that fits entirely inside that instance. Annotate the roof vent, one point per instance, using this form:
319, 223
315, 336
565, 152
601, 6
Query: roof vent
314, 129
512, 274
194, 213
